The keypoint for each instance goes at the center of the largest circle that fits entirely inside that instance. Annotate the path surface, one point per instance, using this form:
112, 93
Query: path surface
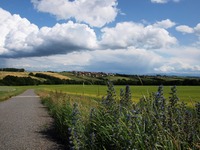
23, 124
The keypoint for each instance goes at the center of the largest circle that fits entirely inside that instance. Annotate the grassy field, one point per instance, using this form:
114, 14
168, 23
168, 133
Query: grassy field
187, 94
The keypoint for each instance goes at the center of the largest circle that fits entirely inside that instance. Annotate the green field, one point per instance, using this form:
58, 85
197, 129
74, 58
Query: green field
185, 93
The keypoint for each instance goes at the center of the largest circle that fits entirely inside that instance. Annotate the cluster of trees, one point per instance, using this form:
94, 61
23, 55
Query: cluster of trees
49, 79
13, 80
12, 69
157, 81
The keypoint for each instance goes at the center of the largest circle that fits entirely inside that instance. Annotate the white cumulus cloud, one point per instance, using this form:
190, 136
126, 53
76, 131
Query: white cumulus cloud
191, 30
197, 29
14, 31
165, 24
94, 12
133, 34
187, 29
184, 29
20, 38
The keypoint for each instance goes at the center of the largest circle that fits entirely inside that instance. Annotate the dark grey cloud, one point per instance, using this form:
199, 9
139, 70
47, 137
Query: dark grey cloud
3, 63
48, 49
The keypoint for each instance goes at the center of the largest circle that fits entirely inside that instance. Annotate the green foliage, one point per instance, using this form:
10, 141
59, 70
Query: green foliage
31, 74
49, 79
12, 69
18, 81
153, 123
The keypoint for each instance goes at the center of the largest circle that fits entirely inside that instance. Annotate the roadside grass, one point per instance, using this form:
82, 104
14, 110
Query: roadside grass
86, 102
7, 92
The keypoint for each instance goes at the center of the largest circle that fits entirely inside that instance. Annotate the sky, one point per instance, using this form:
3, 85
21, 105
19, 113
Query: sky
115, 36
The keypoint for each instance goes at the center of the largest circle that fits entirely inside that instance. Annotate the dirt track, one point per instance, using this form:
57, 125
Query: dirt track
25, 124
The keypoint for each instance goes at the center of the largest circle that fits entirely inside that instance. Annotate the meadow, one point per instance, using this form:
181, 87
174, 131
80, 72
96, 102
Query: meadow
187, 94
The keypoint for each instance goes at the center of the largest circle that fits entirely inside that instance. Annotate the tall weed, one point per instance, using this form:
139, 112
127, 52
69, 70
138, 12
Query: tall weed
117, 123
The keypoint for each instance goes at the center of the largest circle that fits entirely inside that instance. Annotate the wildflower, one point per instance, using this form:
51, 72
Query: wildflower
174, 98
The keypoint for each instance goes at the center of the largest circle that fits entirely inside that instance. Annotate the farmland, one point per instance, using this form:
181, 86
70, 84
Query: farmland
10, 78
185, 93
3, 74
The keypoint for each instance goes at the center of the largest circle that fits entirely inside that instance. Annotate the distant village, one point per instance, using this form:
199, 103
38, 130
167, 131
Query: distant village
92, 74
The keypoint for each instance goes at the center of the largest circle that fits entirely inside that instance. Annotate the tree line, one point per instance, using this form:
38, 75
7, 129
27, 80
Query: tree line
184, 82
12, 69
50, 80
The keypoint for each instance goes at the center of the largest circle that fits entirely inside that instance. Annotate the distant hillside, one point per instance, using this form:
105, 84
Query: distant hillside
124, 79
97, 78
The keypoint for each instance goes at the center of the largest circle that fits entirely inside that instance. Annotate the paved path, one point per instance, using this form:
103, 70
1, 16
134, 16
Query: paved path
24, 123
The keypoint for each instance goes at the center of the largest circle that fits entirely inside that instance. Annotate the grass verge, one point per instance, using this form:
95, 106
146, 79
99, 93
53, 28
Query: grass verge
7, 92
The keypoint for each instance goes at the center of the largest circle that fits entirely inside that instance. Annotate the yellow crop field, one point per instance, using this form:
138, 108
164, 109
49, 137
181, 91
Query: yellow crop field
26, 74
54, 75
17, 74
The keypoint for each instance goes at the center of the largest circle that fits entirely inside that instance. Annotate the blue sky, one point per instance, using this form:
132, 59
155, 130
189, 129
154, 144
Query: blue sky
132, 36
